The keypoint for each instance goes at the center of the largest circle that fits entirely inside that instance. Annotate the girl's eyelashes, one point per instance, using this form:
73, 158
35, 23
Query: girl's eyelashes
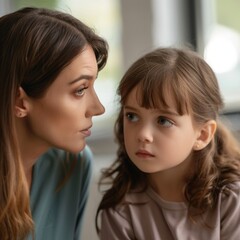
161, 120
165, 122
80, 92
132, 117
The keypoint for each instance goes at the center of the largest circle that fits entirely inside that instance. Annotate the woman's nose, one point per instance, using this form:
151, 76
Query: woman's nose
100, 109
95, 107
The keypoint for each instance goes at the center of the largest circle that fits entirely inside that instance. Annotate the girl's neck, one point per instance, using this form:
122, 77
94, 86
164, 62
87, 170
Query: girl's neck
169, 184
169, 191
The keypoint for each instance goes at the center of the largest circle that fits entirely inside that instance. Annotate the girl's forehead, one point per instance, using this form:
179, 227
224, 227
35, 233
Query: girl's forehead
161, 95
152, 101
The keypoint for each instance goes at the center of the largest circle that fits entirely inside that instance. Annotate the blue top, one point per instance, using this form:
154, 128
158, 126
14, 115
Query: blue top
58, 214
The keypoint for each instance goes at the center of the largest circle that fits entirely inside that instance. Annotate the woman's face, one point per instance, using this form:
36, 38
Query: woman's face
63, 117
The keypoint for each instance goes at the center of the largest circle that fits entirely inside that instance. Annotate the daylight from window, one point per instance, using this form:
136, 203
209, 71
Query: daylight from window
222, 52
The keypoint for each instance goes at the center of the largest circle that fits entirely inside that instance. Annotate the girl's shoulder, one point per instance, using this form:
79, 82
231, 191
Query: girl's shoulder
132, 203
230, 200
136, 196
231, 190
149, 199
229, 208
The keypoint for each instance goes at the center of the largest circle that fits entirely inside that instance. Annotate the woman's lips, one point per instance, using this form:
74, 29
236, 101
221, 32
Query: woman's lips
86, 132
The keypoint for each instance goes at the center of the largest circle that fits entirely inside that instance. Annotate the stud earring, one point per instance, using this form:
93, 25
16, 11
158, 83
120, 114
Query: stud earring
19, 114
197, 146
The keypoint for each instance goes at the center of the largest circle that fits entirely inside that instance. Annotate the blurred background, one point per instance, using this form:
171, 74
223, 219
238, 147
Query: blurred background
134, 27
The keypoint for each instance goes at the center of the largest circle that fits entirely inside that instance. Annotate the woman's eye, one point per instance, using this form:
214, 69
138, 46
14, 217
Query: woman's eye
163, 121
132, 117
80, 92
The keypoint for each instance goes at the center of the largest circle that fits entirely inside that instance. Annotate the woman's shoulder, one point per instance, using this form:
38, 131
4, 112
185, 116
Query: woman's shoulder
55, 155
60, 161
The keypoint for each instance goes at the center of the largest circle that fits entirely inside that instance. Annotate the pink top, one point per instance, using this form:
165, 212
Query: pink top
146, 216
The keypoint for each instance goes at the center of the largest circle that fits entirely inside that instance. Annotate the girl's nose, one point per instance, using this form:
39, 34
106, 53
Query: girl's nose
145, 134
95, 107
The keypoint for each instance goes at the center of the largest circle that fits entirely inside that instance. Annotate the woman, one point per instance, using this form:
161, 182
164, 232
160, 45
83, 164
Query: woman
49, 62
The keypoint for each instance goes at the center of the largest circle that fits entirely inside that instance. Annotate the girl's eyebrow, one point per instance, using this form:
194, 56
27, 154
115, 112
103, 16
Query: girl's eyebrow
130, 108
168, 112
159, 111
85, 77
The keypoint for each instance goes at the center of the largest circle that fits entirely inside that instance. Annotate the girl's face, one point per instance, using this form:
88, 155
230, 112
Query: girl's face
63, 117
157, 140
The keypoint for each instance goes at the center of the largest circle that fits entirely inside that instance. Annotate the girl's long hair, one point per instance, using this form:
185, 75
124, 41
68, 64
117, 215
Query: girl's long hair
35, 46
194, 87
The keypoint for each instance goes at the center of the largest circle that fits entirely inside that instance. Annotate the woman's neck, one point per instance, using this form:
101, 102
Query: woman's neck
29, 158
30, 149
29, 178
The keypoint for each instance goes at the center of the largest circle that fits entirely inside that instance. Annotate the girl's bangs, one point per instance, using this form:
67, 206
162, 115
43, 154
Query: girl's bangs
158, 88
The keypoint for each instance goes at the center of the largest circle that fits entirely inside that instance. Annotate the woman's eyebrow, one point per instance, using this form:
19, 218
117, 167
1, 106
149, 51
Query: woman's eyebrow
85, 77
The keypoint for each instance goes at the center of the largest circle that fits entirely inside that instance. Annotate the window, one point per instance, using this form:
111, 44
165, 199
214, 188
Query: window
222, 49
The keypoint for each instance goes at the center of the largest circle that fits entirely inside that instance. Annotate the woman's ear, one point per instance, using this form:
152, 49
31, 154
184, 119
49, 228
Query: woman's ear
206, 134
21, 104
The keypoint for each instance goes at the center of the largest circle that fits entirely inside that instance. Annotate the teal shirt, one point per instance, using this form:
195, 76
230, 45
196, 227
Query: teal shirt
58, 215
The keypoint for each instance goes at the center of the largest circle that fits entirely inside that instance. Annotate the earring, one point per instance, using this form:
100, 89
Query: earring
19, 114
197, 146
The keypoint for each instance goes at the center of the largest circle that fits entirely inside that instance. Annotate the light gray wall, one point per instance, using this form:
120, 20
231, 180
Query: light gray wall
147, 24
172, 22
5, 6
137, 38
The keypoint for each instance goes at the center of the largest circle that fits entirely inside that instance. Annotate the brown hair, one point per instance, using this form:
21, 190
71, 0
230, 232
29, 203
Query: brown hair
35, 45
195, 90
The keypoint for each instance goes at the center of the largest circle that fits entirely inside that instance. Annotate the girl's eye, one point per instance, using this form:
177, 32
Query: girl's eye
132, 117
80, 92
163, 121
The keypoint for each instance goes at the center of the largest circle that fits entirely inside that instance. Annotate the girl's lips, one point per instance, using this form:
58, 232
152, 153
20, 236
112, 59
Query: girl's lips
144, 153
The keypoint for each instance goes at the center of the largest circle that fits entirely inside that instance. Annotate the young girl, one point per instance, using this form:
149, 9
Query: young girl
49, 62
178, 168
